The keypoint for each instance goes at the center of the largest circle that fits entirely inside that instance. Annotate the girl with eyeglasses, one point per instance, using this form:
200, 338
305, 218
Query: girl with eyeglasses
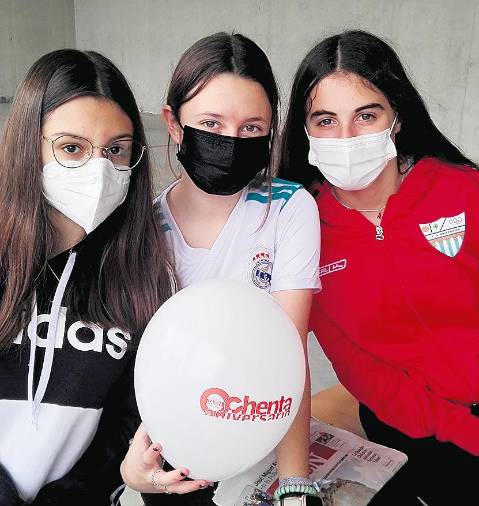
82, 270
398, 315
227, 218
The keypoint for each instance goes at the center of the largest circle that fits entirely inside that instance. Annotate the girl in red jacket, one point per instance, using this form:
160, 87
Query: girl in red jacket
399, 311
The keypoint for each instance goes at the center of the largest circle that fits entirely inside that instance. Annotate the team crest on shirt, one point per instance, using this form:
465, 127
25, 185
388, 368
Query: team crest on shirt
262, 267
446, 234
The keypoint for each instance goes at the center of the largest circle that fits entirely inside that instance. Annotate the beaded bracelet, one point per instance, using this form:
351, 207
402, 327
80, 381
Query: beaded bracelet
294, 489
295, 480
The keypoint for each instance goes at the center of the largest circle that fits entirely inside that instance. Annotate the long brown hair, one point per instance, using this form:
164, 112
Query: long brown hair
127, 280
217, 54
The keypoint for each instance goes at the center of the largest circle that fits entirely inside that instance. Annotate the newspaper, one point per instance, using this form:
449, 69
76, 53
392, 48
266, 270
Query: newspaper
347, 470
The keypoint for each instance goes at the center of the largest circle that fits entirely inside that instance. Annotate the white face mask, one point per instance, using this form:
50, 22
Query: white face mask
352, 163
87, 194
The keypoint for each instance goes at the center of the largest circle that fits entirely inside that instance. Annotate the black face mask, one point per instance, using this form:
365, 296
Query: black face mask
222, 165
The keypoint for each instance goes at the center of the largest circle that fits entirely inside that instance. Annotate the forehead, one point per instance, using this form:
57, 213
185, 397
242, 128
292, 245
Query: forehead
343, 91
229, 94
90, 117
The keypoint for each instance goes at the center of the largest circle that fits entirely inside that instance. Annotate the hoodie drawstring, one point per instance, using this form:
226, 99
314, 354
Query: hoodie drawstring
35, 400
32, 332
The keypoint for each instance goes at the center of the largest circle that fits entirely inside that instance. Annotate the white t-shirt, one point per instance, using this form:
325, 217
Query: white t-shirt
281, 254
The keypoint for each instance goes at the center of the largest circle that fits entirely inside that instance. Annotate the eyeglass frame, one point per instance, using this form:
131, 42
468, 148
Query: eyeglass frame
104, 150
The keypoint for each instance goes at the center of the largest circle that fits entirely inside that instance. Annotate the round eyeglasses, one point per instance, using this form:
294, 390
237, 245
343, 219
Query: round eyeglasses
73, 151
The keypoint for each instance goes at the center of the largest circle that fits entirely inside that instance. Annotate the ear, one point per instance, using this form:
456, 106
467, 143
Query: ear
397, 126
174, 129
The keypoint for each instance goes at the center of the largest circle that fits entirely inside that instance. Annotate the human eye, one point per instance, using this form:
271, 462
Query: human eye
366, 117
252, 129
116, 149
211, 124
121, 148
72, 149
325, 122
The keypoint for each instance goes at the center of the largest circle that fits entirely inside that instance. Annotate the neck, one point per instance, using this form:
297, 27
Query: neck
67, 233
186, 200
199, 215
377, 193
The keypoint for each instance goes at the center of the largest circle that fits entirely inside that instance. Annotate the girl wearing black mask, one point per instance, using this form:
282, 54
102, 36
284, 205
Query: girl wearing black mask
227, 218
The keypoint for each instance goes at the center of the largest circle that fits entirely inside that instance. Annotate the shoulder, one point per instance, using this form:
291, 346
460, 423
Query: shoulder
439, 185
283, 194
159, 211
322, 195
442, 172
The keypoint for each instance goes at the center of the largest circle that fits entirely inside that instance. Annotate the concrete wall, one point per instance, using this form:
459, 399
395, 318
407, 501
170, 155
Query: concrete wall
29, 29
438, 41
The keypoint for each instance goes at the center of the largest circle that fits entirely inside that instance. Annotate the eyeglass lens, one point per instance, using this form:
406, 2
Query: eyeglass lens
72, 151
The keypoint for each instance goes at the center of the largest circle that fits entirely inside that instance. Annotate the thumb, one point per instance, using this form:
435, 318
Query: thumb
152, 456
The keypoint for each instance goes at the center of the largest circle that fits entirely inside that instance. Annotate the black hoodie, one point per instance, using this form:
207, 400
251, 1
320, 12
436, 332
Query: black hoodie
70, 451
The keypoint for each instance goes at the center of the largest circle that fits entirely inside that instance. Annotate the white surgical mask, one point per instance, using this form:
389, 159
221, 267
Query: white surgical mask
352, 163
87, 194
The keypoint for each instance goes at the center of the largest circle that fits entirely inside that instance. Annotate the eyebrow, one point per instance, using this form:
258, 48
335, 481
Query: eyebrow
256, 118
121, 136
372, 105
115, 138
216, 115
213, 114
320, 112
59, 134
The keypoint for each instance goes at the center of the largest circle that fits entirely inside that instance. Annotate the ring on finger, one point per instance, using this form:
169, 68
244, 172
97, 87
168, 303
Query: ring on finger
157, 484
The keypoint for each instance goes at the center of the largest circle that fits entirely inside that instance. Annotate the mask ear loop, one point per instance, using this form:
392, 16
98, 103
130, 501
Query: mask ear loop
177, 148
393, 125
168, 158
409, 165
268, 172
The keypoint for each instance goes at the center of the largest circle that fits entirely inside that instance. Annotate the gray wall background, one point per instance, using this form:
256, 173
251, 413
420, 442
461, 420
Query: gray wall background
437, 40
29, 29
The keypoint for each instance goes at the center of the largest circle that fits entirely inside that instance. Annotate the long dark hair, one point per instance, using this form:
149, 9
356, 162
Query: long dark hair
222, 53
373, 60
125, 282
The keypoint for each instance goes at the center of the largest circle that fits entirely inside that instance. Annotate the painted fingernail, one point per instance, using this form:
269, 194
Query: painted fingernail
156, 448
183, 475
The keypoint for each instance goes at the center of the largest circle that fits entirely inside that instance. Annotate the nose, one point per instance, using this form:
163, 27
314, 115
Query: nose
99, 152
346, 132
230, 131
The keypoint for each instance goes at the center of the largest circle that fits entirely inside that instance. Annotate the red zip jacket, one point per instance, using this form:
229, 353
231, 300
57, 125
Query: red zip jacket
399, 317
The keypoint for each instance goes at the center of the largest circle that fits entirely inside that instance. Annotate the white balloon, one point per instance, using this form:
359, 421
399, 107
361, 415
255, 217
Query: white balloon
219, 377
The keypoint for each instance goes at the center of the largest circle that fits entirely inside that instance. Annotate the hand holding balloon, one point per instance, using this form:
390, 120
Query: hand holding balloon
238, 364
143, 461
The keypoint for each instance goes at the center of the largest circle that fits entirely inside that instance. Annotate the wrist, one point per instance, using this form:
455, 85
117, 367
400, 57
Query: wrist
295, 499
294, 485
295, 490
295, 480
